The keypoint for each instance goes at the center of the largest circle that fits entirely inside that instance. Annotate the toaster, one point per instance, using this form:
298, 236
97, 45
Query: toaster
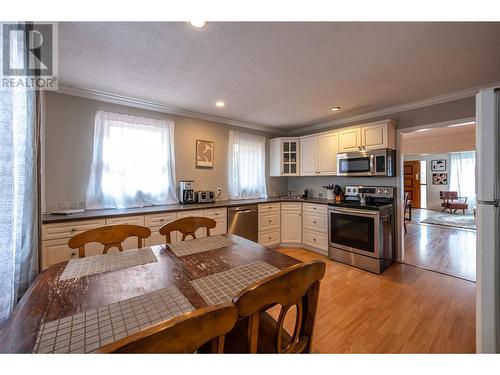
205, 197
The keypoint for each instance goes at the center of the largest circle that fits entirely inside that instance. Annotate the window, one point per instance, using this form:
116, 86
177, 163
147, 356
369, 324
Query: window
463, 176
133, 162
246, 170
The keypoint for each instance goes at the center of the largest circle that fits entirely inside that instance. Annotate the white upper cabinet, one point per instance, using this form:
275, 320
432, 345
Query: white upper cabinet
284, 157
350, 140
328, 146
319, 154
373, 137
368, 137
316, 154
308, 156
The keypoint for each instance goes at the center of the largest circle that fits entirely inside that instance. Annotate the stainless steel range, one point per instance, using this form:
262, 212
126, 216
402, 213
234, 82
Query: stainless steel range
361, 227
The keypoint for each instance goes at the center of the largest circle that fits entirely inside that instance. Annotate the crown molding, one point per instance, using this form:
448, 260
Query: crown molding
158, 107
395, 109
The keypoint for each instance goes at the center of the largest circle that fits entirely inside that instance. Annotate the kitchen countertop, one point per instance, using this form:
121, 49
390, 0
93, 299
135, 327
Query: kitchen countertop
105, 213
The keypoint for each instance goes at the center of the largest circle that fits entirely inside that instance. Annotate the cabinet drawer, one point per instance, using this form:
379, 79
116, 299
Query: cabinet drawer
215, 213
269, 221
316, 222
190, 213
315, 208
269, 207
315, 239
269, 238
69, 229
130, 220
291, 206
157, 220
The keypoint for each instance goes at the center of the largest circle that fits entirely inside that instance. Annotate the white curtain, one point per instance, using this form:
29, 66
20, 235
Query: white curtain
19, 210
463, 176
133, 162
247, 166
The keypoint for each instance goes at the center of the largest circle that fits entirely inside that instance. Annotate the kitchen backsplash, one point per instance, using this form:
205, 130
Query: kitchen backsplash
314, 184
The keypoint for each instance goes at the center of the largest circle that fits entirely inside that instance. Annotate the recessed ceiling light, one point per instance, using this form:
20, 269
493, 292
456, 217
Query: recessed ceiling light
335, 109
220, 103
198, 24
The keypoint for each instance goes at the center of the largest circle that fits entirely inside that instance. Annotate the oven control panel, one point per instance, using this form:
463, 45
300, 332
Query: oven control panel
370, 191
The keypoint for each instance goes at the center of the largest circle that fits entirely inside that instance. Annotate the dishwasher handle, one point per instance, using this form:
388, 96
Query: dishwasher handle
243, 211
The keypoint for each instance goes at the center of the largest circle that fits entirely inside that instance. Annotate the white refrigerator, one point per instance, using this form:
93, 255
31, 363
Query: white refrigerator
488, 221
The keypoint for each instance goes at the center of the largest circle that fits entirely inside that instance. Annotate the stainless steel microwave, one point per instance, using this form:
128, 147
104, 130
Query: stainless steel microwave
381, 162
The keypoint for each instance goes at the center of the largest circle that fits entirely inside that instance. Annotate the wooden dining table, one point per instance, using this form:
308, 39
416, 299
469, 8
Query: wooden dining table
50, 298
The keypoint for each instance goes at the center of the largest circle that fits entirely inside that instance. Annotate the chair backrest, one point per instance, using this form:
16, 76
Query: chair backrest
448, 195
183, 334
296, 286
187, 226
109, 236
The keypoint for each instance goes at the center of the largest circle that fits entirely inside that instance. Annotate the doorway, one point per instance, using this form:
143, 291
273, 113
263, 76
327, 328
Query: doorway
431, 240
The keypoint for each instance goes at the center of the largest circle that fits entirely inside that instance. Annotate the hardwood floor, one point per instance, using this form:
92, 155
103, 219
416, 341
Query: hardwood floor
443, 249
404, 310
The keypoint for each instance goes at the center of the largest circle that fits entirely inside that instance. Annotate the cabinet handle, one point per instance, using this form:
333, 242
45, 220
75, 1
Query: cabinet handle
73, 254
314, 222
270, 221
73, 229
314, 239
270, 238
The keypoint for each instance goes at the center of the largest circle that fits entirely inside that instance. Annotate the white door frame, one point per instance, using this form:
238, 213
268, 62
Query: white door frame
400, 173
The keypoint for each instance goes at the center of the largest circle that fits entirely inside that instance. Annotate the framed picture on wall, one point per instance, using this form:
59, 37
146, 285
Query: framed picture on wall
440, 178
204, 154
438, 165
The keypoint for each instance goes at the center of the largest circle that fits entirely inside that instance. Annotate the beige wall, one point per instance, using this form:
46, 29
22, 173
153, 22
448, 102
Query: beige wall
69, 124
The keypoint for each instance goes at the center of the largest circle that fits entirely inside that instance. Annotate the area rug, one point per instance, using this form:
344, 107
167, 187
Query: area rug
452, 220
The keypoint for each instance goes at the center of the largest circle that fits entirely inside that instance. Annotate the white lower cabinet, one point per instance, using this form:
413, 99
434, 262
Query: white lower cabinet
269, 224
55, 239
220, 217
291, 223
129, 243
154, 222
315, 227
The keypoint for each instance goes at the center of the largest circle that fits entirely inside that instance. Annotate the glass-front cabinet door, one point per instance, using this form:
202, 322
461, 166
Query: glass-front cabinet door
290, 157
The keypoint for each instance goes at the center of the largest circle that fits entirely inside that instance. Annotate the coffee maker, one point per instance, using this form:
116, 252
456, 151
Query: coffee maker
186, 191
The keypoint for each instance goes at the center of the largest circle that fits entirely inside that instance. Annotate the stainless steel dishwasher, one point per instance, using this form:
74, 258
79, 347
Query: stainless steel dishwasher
243, 221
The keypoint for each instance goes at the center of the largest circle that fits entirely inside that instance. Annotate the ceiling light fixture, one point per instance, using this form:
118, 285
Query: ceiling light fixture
462, 124
335, 109
422, 130
220, 104
198, 24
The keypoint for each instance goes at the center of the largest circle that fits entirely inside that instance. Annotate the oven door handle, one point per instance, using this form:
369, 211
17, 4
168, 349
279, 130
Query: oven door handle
354, 211
372, 164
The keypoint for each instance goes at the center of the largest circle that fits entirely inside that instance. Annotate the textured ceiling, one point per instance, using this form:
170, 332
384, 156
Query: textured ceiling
279, 74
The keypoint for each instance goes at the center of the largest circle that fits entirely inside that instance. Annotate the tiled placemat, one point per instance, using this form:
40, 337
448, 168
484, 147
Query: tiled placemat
222, 287
199, 245
88, 331
107, 262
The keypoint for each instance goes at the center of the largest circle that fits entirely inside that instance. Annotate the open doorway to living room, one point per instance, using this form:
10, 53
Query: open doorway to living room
440, 199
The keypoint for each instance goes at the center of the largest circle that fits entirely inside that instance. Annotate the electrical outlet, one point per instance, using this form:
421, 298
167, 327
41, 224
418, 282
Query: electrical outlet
219, 190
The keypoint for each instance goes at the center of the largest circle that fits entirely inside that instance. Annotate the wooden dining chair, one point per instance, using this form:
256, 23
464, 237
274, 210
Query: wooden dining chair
258, 332
110, 236
187, 226
182, 334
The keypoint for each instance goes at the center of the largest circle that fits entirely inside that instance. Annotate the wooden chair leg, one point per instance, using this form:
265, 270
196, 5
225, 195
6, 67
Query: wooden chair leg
218, 345
404, 224
253, 332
